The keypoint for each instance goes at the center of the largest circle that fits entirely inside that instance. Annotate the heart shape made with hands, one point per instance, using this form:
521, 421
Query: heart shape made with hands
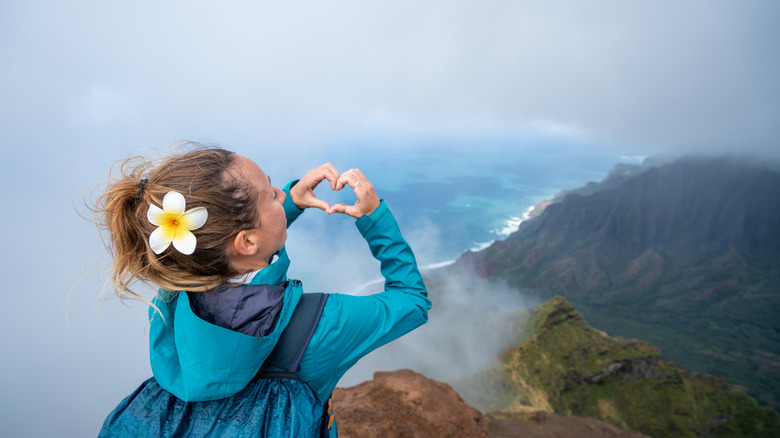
304, 197
333, 197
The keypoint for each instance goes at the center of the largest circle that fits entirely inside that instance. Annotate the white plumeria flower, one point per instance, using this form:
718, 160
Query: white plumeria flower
174, 225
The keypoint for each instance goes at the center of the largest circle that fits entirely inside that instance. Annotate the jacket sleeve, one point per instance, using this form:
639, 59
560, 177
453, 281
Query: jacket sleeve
353, 326
290, 209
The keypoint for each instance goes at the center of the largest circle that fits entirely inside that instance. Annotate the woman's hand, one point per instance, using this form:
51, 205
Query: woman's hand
367, 201
302, 194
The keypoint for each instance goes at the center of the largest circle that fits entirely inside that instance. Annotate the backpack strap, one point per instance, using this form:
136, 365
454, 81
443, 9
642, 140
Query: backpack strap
284, 361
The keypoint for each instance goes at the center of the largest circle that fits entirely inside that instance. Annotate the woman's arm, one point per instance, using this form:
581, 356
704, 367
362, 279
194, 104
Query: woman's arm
369, 322
353, 326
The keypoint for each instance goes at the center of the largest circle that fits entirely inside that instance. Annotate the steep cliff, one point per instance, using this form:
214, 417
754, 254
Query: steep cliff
570, 368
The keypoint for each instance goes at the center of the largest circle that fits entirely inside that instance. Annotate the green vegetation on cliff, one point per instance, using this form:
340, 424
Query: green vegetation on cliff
571, 368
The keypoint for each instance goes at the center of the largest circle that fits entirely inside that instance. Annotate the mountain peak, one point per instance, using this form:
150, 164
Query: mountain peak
570, 368
590, 355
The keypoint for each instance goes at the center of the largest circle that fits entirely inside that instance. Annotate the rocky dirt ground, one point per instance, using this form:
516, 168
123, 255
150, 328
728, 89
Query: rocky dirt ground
406, 404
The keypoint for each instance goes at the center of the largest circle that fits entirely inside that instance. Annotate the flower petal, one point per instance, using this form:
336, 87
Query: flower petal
156, 215
184, 241
194, 218
161, 238
174, 203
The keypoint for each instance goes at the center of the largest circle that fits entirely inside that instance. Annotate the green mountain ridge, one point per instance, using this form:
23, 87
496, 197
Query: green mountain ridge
684, 255
566, 366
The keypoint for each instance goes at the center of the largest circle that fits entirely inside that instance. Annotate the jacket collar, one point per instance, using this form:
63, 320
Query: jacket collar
273, 274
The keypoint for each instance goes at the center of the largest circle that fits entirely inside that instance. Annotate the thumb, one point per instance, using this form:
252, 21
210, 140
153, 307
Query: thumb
353, 211
349, 210
336, 208
319, 203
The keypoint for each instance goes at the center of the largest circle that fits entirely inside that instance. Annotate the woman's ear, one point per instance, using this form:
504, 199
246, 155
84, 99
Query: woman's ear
245, 243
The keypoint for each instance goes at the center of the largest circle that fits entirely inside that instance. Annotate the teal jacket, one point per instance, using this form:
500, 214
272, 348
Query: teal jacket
198, 361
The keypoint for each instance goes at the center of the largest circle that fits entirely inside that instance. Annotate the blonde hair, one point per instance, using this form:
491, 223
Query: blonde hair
204, 177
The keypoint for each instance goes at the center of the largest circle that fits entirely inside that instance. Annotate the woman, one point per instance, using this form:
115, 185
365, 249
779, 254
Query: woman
208, 228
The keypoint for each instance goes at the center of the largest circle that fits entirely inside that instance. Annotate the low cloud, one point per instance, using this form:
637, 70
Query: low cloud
471, 323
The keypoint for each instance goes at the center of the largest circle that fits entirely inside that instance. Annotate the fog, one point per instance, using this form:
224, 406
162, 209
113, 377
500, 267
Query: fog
295, 84
472, 322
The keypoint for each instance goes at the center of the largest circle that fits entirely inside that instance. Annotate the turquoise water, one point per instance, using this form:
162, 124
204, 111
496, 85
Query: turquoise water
476, 194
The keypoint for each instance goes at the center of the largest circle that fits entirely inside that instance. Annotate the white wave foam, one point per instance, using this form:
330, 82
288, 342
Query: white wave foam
481, 245
437, 265
513, 223
368, 287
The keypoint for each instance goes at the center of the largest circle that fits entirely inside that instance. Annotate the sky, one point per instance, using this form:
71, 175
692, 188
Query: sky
297, 83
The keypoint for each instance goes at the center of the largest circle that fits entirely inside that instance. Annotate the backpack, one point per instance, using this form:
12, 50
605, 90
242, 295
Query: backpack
276, 403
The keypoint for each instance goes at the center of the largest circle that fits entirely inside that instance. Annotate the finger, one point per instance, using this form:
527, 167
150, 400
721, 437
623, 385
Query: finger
359, 180
319, 203
336, 208
349, 178
325, 171
331, 174
349, 210
341, 182
316, 175
353, 211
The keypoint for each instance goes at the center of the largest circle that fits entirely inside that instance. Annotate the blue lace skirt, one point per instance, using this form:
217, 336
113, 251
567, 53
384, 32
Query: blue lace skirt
265, 408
